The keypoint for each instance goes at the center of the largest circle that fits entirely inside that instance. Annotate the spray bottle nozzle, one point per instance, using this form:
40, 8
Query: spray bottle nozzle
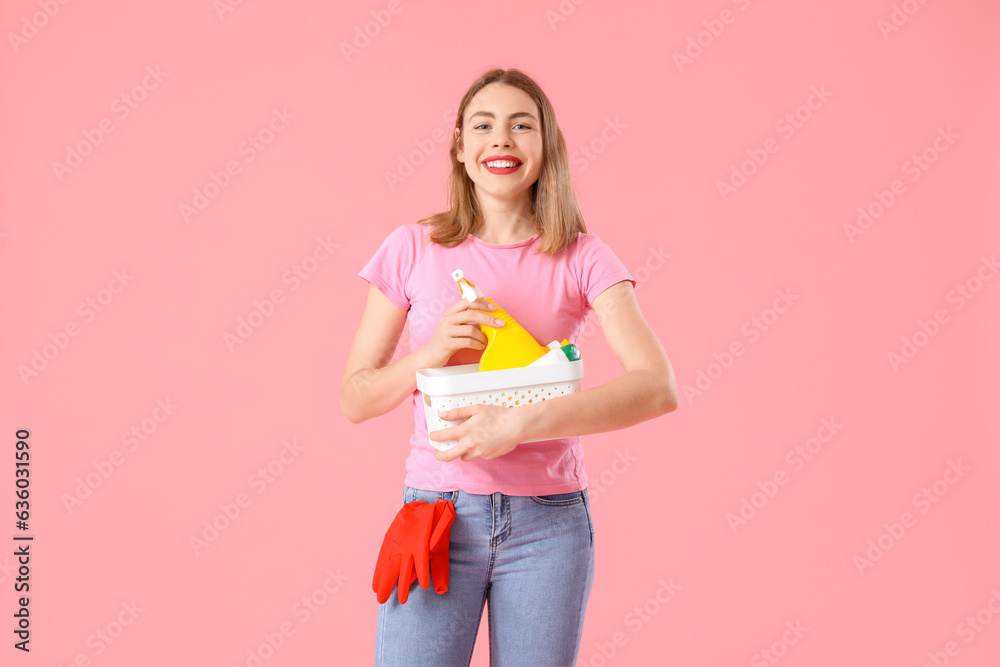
469, 291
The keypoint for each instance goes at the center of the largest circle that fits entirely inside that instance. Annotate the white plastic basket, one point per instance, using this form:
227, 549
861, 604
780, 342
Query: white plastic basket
457, 386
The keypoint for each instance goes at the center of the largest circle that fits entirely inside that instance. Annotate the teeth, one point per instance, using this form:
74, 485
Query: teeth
502, 164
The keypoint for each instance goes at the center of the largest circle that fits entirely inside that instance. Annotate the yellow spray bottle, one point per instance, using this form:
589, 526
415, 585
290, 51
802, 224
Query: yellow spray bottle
507, 346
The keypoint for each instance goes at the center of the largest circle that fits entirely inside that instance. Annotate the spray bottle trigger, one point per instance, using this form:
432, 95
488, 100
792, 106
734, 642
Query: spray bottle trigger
469, 291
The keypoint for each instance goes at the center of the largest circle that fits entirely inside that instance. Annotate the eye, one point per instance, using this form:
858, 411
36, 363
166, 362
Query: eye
486, 125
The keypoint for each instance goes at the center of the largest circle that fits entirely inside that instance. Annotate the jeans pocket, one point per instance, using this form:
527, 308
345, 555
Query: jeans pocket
410, 495
559, 499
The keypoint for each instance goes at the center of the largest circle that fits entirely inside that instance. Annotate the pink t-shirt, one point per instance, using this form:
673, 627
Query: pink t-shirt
549, 295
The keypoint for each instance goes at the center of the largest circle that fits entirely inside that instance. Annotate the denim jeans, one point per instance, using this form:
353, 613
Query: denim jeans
528, 559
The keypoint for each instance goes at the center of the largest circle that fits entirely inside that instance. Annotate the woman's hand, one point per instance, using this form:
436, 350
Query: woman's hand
490, 431
458, 329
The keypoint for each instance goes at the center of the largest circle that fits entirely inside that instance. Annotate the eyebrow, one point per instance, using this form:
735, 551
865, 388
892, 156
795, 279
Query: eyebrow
516, 114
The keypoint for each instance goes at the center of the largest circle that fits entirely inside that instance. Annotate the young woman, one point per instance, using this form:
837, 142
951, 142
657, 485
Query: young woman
522, 541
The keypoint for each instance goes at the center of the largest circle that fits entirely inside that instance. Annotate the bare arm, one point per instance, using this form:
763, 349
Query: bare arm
372, 386
646, 390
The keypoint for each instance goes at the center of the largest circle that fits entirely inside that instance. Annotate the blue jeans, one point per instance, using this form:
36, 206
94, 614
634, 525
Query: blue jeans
531, 558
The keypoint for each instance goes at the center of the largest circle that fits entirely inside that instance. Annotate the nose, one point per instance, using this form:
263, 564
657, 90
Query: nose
502, 137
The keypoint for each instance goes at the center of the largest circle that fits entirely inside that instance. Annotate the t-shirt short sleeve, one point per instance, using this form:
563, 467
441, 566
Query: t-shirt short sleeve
390, 266
599, 269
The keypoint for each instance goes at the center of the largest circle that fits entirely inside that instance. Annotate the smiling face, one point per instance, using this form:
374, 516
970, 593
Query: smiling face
501, 143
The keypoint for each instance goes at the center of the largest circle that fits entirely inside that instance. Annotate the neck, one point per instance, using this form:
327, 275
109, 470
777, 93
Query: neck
506, 222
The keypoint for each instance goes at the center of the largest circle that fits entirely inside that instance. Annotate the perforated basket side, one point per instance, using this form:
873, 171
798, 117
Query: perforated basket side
507, 398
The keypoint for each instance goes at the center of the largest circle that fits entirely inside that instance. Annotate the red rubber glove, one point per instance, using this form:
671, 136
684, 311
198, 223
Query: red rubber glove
444, 515
417, 539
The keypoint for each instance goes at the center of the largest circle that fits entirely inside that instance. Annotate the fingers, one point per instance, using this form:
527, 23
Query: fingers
405, 579
421, 545
461, 412
422, 564
424, 556
449, 455
444, 434
462, 304
473, 332
385, 577
439, 571
464, 452
475, 318
444, 516
483, 304
461, 328
479, 311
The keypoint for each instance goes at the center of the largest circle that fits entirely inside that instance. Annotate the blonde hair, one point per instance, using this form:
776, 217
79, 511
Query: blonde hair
557, 214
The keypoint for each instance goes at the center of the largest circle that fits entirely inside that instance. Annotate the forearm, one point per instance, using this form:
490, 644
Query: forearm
629, 399
371, 392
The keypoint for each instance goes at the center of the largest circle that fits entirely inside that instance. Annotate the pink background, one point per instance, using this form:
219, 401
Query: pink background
650, 140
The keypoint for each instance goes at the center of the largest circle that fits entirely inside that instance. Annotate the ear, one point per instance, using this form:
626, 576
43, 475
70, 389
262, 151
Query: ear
460, 154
